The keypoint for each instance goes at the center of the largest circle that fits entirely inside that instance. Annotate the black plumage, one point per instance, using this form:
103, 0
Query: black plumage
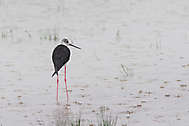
60, 57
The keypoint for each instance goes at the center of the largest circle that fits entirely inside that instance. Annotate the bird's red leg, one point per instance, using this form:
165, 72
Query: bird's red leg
66, 84
57, 89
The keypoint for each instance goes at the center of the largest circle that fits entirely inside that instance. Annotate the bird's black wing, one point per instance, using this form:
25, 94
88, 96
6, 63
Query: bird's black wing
60, 57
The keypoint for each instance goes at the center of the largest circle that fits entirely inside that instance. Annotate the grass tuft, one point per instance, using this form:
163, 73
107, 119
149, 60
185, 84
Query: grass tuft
106, 119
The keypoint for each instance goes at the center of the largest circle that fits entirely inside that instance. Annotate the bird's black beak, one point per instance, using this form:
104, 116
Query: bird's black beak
75, 46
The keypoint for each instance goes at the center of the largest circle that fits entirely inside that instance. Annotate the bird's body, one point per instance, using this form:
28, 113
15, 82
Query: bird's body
60, 57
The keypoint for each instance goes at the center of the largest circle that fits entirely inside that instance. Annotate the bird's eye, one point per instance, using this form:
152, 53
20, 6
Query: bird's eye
65, 41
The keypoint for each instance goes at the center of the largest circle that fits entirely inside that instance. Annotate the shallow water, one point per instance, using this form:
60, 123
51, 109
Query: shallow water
148, 38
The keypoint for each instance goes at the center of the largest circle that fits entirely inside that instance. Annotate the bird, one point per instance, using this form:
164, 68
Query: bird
60, 56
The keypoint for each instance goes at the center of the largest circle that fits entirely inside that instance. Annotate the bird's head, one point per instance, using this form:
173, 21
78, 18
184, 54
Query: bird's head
68, 42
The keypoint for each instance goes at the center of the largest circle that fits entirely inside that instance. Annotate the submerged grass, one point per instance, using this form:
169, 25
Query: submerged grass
76, 123
104, 118
42, 34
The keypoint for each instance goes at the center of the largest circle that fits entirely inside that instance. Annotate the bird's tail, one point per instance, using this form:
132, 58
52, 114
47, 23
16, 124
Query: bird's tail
54, 73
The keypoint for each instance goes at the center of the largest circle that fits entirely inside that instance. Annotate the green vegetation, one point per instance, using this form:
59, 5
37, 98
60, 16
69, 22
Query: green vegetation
104, 118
